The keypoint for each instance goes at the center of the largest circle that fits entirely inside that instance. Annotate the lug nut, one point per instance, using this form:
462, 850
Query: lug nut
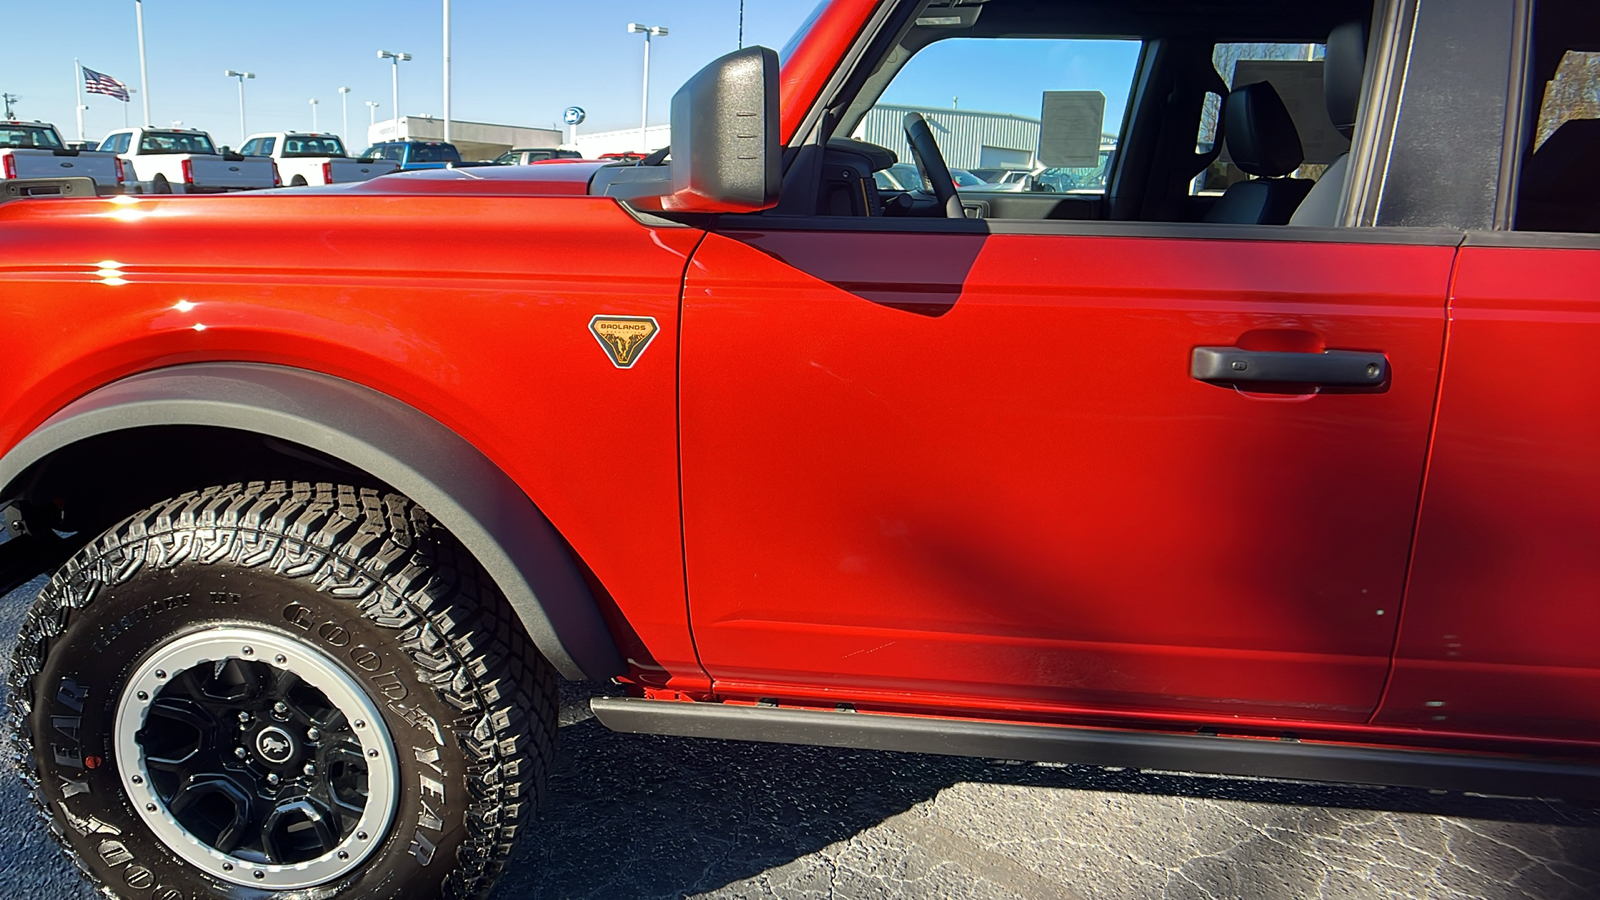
310, 769
240, 752
272, 778
280, 708
244, 717
313, 735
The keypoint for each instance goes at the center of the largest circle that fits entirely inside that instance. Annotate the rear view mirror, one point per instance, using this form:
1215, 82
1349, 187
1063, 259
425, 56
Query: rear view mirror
725, 154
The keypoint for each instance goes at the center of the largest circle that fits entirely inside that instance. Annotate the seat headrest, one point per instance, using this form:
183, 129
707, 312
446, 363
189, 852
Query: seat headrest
1262, 139
1342, 71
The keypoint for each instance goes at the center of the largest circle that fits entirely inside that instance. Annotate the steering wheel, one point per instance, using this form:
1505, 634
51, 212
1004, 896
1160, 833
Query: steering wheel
932, 162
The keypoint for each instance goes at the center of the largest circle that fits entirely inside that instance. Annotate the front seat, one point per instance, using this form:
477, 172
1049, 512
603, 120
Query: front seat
1343, 69
1263, 142
1561, 183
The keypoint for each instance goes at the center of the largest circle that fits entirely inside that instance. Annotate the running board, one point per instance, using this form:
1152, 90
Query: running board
1265, 758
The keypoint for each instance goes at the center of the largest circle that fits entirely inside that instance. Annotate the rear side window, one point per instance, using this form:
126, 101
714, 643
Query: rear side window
1560, 178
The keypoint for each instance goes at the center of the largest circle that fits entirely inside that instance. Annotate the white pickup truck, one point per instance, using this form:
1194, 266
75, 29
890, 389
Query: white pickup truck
304, 159
184, 161
35, 150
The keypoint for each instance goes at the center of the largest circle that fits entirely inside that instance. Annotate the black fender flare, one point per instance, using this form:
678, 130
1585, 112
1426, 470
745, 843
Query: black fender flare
420, 457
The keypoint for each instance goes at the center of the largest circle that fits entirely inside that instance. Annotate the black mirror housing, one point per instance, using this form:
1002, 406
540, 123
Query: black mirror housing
725, 152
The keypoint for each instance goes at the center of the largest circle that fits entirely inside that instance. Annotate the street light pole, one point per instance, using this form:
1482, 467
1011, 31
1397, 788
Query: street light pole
447, 71
344, 105
243, 132
144, 72
372, 113
313, 115
396, 59
649, 31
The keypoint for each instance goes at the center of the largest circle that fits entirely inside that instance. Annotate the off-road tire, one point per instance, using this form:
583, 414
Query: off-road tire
460, 688
161, 185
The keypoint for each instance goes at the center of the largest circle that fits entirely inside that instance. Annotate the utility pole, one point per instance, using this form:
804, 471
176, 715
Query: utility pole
649, 31
396, 58
144, 71
243, 132
10, 100
447, 71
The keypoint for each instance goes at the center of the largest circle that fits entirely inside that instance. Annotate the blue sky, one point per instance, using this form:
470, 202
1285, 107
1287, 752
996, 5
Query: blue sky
514, 63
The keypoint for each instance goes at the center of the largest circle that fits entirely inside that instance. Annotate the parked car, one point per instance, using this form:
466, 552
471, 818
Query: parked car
185, 161
623, 156
306, 159
36, 150
1300, 481
527, 156
412, 156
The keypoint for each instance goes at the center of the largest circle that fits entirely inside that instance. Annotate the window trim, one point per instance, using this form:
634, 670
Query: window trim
1198, 231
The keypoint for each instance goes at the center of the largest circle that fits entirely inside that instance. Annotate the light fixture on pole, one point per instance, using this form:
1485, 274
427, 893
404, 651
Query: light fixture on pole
372, 113
396, 59
344, 106
649, 31
243, 132
144, 72
313, 115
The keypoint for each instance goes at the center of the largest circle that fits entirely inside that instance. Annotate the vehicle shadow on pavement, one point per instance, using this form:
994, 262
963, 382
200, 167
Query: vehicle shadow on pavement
645, 816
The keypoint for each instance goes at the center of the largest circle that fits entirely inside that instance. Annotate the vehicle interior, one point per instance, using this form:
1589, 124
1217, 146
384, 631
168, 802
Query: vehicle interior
1222, 112
1560, 183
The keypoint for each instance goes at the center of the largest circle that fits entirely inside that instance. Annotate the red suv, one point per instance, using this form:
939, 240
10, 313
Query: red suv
1275, 454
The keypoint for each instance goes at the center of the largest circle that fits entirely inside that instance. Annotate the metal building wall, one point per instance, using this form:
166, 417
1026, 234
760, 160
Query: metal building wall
962, 135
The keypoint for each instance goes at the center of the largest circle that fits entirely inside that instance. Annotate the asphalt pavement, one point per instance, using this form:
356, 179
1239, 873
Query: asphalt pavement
649, 817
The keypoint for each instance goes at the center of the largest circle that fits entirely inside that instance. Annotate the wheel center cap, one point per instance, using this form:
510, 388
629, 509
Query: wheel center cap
275, 745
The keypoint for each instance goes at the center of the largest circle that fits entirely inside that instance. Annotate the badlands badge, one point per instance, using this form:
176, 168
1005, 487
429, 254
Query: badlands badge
624, 337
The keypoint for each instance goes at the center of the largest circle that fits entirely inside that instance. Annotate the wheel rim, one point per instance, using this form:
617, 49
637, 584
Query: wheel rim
256, 758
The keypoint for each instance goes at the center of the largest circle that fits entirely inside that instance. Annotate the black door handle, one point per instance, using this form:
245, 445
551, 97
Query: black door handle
1334, 368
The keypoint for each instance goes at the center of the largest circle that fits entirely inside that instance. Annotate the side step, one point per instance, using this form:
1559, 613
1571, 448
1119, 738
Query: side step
1295, 760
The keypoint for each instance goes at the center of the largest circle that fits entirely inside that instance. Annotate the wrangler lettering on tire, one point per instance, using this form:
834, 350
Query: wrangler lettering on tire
282, 686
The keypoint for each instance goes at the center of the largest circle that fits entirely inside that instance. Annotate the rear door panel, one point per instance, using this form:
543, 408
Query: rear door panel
1502, 621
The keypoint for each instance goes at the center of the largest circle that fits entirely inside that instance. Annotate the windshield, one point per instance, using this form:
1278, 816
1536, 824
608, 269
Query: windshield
43, 137
176, 142
314, 145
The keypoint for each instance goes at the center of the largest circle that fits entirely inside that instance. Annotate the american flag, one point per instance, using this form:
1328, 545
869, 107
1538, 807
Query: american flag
98, 83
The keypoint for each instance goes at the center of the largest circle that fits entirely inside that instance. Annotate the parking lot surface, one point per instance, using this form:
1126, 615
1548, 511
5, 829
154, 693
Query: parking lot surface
649, 817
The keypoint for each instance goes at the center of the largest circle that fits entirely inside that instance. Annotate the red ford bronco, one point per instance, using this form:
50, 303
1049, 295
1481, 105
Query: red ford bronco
1275, 454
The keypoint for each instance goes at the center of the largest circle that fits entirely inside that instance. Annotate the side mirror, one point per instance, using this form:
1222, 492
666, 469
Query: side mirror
725, 153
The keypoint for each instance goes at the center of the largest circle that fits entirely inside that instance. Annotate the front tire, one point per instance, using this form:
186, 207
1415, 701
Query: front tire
282, 687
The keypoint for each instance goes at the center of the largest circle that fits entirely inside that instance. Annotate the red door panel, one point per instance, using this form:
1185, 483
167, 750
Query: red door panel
1502, 621
975, 469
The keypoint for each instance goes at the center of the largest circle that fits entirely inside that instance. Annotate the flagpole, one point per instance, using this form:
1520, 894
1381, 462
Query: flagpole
144, 73
78, 69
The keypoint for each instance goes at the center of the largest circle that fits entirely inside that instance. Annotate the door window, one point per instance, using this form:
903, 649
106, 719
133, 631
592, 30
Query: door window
1560, 185
1051, 108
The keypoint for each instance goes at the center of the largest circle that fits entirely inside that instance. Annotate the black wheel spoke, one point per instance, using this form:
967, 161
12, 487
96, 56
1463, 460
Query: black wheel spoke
255, 761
